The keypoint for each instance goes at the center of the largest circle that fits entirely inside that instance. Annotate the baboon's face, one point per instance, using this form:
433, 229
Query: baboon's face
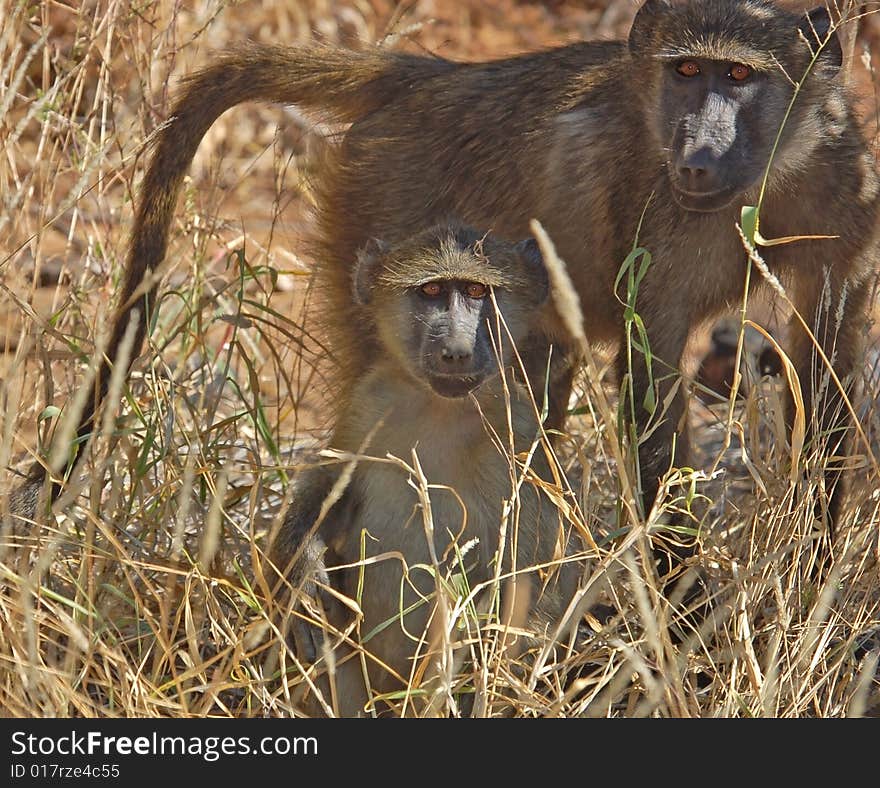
717, 78
450, 304
450, 342
713, 116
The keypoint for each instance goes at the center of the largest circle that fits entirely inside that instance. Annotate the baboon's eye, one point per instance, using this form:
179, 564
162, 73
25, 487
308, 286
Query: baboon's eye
688, 68
431, 289
476, 290
739, 71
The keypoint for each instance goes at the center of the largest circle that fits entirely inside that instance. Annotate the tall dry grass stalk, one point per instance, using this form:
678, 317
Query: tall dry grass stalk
143, 593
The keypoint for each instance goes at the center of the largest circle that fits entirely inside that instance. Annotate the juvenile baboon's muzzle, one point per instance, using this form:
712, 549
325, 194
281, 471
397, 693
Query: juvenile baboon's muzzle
454, 369
455, 363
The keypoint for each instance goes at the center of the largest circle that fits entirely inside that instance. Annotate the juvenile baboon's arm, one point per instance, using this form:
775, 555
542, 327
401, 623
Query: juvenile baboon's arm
298, 554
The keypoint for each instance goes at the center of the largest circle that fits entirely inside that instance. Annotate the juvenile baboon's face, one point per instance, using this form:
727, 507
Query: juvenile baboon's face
450, 304
448, 339
718, 79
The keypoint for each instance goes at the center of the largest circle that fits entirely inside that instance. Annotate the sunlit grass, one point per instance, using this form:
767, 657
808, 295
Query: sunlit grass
146, 596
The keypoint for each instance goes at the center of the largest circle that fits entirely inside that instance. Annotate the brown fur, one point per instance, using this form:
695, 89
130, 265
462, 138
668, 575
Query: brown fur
569, 136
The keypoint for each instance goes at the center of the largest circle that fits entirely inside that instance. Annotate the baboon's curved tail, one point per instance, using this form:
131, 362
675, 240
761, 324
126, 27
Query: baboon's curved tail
335, 83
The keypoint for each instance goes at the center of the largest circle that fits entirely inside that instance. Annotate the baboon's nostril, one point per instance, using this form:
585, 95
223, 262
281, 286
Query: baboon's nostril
455, 353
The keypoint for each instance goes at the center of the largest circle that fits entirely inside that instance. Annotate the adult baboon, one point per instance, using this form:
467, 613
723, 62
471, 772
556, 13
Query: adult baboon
709, 105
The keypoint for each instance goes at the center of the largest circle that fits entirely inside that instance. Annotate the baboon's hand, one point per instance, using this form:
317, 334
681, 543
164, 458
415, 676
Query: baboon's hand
310, 576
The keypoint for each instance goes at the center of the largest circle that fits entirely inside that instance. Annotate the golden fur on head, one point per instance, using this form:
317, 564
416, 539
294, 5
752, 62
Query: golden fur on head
756, 33
712, 46
449, 252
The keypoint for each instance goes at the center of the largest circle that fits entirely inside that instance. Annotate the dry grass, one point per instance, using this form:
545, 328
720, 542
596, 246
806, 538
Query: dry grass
145, 596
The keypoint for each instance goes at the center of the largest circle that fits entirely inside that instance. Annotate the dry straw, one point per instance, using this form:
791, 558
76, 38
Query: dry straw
142, 592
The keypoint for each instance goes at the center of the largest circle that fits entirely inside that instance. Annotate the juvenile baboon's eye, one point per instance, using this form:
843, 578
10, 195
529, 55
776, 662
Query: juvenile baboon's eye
688, 68
739, 71
476, 290
431, 289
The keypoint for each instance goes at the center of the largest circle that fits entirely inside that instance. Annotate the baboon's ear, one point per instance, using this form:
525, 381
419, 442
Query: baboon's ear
816, 28
536, 271
646, 19
365, 270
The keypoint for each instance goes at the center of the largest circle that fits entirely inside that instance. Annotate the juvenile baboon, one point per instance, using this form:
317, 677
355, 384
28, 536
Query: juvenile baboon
447, 307
661, 138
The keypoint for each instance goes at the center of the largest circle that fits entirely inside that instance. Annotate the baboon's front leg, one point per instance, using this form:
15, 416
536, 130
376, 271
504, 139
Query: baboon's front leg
550, 370
297, 557
654, 400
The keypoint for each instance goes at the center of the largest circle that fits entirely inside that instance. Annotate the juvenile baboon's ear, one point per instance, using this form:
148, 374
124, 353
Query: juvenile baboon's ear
536, 271
364, 272
816, 28
646, 19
